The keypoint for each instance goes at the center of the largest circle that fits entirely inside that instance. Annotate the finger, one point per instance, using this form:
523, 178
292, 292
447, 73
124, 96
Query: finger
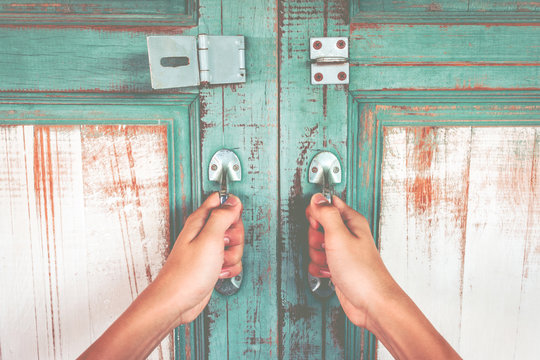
235, 234
233, 255
231, 271
318, 271
318, 257
354, 220
221, 219
327, 215
316, 239
312, 222
197, 219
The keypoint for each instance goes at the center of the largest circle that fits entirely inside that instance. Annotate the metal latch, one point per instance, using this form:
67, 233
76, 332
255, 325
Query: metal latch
224, 167
329, 60
181, 61
325, 170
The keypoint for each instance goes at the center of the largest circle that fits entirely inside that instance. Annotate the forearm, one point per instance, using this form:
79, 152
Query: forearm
404, 330
139, 329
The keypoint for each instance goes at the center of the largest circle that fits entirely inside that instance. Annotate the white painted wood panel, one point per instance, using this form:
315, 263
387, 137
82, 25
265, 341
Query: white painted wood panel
84, 227
460, 232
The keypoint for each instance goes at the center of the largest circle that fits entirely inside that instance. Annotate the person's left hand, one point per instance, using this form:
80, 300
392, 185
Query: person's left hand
209, 248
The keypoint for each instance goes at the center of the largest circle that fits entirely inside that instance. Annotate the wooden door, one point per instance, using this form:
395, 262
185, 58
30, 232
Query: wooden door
444, 132
437, 133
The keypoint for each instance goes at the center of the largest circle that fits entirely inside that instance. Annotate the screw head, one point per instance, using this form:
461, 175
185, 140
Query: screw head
318, 77
236, 167
314, 169
317, 45
342, 76
335, 169
213, 167
341, 44
238, 278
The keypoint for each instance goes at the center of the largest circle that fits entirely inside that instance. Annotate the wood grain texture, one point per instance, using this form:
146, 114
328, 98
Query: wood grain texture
96, 7
115, 14
244, 118
443, 5
444, 11
445, 56
455, 223
312, 119
78, 242
76, 59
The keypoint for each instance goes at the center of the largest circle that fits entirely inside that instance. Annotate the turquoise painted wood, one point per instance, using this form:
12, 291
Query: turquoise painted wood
458, 63
244, 118
76, 62
311, 120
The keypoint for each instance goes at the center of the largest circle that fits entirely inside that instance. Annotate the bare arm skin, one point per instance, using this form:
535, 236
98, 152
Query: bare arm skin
209, 247
341, 246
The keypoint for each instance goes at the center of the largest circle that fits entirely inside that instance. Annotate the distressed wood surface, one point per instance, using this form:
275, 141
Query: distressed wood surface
276, 122
446, 55
244, 118
459, 232
312, 119
97, 7
84, 223
444, 11
114, 14
443, 5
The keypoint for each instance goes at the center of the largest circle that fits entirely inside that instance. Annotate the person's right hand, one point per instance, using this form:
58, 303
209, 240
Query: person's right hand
341, 247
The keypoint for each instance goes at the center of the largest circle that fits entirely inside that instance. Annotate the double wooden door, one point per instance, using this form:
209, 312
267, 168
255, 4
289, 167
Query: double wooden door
438, 133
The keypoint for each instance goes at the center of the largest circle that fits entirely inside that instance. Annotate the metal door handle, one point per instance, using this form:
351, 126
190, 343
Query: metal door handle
224, 167
325, 170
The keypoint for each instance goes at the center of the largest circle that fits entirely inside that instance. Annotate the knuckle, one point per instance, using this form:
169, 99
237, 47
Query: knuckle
362, 220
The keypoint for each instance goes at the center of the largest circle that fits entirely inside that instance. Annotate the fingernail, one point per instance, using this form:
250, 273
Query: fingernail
226, 240
224, 273
231, 201
319, 199
324, 272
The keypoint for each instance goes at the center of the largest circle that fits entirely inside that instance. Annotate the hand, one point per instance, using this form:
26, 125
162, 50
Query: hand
209, 247
341, 247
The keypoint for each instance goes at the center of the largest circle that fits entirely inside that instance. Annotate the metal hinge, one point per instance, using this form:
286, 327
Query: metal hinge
181, 61
329, 60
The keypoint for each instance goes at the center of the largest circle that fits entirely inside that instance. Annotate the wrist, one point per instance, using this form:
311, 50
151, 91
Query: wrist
391, 298
164, 295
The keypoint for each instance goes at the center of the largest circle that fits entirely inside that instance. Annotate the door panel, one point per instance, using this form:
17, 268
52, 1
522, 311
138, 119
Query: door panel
243, 117
101, 13
459, 205
92, 192
444, 56
72, 232
309, 122
449, 181
427, 117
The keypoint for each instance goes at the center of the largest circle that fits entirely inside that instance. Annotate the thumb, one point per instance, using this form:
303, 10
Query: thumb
221, 219
327, 215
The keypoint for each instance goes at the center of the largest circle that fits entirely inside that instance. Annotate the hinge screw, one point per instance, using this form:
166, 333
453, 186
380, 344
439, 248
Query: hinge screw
342, 76
318, 77
336, 170
317, 45
314, 169
341, 44
236, 167
213, 167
